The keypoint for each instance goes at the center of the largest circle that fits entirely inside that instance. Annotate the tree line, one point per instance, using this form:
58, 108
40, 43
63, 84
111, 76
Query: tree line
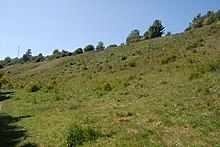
155, 30
28, 57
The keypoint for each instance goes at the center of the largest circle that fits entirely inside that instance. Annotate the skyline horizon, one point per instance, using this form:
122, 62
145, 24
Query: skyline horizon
68, 25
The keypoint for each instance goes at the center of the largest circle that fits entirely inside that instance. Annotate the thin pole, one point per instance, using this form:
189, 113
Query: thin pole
18, 51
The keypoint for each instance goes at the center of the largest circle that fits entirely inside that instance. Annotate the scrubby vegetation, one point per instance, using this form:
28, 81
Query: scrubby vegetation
209, 18
163, 91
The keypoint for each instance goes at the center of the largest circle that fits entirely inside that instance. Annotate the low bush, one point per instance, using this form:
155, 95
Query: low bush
35, 87
77, 135
107, 87
195, 44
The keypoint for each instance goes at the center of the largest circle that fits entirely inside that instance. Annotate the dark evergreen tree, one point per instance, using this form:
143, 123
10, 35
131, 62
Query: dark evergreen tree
155, 30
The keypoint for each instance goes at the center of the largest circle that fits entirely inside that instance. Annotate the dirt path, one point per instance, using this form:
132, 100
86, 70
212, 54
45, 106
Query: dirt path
1, 105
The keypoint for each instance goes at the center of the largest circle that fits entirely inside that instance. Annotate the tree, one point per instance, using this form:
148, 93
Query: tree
100, 46
7, 61
168, 33
147, 35
26, 57
210, 18
40, 58
56, 51
134, 36
155, 30
89, 48
198, 20
78, 51
29, 53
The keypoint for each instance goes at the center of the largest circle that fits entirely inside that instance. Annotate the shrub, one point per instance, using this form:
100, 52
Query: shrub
123, 58
132, 64
107, 87
34, 88
112, 45
3, 79
195, 44
77, 135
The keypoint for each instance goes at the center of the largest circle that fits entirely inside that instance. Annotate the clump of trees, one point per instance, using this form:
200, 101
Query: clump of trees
203, 20
154, 31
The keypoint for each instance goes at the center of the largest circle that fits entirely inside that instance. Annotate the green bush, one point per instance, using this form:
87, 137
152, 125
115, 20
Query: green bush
35, 88
78, 51
77, 135
107, 87
89, 48
195, 44
112, 45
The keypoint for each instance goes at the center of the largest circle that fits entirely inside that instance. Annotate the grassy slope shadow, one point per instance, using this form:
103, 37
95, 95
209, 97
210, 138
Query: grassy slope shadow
5, 95
10, 134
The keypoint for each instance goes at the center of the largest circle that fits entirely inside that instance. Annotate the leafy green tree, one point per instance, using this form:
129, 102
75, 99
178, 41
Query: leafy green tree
56, 51
40, 58
26, 57
197, 21
155, 30
134, 36
89, 48
168, 33
78, 51
7, 61
29, 53
100, 46
210, 18
147, 35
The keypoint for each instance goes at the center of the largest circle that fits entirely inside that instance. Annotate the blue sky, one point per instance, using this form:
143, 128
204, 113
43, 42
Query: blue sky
44, 25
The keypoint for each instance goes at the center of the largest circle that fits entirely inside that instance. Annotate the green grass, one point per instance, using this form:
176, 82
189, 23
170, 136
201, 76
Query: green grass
160, 92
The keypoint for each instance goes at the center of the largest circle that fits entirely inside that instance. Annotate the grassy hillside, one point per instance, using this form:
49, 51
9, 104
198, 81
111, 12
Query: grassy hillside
161, 92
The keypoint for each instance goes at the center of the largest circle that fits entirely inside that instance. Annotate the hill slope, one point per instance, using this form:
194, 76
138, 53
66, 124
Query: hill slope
164, 91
